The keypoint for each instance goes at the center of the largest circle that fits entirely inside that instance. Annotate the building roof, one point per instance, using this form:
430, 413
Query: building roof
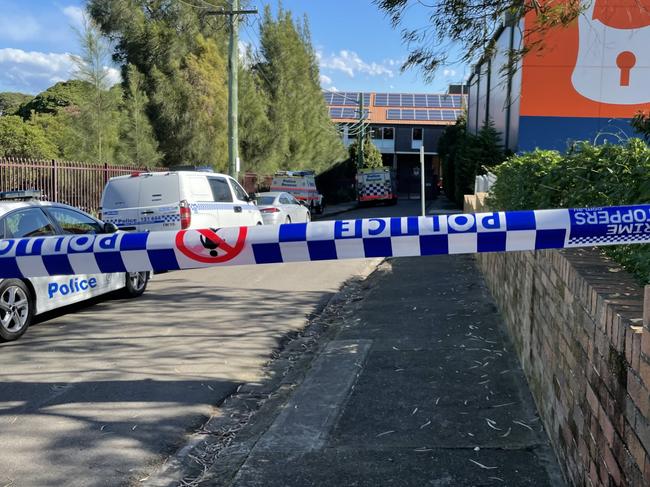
396, 108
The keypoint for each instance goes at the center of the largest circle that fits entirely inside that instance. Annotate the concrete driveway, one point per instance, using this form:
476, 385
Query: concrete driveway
101, 394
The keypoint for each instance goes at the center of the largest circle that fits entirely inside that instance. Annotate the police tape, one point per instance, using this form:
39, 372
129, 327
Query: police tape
328, 240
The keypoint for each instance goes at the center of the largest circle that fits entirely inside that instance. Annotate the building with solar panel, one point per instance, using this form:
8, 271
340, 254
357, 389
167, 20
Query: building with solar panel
399, 124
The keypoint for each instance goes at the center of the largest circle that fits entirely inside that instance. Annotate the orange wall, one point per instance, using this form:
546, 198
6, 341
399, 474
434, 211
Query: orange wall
576, 73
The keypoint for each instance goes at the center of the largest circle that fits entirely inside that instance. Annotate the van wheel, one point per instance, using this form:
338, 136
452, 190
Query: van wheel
136, 284
16, 309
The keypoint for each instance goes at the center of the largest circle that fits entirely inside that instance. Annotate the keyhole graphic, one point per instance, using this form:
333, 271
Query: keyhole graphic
625, 62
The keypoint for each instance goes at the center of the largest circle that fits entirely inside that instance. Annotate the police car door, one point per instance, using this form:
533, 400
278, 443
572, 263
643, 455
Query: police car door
243, 208
59, 291
223, 198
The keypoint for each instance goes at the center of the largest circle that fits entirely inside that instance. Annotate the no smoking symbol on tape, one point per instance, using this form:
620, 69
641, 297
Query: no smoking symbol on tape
207, 246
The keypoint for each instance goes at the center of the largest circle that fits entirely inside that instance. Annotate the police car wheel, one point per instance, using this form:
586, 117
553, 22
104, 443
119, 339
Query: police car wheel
136, 284
16, 309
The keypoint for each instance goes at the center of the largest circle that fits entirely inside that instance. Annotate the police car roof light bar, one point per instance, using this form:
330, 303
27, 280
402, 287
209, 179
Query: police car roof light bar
28, 194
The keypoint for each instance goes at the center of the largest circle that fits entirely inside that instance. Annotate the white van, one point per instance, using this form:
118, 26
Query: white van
177, 200
302, 186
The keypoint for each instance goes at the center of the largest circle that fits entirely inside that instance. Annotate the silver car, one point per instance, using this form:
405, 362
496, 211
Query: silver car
23, 215
277, 207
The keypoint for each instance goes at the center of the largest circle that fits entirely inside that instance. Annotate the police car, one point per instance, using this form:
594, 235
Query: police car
22, 214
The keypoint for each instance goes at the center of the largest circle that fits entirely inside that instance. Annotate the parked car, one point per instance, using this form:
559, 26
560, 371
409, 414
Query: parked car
277, 207
22, 215
177, 200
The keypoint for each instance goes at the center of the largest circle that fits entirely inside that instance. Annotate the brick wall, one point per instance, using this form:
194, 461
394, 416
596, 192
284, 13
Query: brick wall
576, 320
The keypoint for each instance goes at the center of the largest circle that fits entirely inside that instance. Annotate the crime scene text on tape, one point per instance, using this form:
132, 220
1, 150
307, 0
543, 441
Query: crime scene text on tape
328, 240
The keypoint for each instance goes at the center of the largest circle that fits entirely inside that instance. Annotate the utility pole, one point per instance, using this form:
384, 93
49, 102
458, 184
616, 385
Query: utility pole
233, 75
422, 188
361, 136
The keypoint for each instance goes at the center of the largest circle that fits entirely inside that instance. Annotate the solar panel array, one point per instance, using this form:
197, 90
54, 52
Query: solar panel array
418, 101
345, 98
340, 112
422, 115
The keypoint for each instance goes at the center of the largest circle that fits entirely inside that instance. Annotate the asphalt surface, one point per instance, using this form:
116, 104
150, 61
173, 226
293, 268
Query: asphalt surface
420, 386
101, 394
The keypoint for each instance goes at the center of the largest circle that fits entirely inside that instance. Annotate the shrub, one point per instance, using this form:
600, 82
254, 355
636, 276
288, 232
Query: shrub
587, 176
464, 156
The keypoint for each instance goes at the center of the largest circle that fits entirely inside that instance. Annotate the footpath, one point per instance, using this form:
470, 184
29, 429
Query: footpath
415, 384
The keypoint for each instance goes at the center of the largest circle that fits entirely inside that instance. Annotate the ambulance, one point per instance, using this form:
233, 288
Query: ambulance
22, 214
302, 186
376, 185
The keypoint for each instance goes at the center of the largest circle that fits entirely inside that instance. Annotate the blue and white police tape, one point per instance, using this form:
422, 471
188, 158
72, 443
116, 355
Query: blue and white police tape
330, 240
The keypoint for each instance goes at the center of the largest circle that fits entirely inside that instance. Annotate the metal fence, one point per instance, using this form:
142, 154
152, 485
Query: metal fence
79, 184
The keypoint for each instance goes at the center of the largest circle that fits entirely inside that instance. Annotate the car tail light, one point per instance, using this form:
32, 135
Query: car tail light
272, 209
135, 174
186, 215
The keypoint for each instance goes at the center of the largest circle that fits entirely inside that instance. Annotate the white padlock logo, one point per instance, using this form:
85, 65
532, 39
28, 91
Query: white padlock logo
613, 64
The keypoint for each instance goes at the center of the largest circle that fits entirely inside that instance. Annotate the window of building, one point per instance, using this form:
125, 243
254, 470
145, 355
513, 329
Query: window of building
388, 133
375, 133
417, 134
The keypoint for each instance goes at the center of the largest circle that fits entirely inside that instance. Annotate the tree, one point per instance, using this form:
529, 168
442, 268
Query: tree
303, 134
255, 133
19, 139
98, 112
471, 25
64, 96
10, 102
475, 154
59, 130
138, 145
180, 53
371, 155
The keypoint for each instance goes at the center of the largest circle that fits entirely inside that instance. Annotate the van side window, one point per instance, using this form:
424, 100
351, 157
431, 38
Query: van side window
239, 191
220, 190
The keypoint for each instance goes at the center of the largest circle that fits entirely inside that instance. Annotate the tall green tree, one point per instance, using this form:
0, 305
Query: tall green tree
303, 134
180, 52
255, 133
98, 116
137, 143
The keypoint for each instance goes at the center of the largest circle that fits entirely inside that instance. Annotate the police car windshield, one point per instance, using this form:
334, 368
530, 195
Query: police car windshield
265, 200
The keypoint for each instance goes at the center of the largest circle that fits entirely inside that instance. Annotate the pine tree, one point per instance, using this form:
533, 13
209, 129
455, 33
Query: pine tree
303, 134
98, 118
180, 52
255, 134
138, 145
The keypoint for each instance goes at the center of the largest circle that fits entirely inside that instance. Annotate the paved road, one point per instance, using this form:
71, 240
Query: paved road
99, 396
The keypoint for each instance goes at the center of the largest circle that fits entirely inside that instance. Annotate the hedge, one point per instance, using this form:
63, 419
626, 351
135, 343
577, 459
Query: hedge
586, 176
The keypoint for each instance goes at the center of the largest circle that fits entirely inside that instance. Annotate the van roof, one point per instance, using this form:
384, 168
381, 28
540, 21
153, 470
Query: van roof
167, 173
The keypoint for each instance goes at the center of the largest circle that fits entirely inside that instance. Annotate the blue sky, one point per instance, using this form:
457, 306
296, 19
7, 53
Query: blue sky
357, 47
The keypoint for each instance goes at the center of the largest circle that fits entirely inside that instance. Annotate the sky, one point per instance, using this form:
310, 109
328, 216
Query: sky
357, 48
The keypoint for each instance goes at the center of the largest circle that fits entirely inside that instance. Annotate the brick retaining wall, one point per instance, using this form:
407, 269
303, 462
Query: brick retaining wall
576, 320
